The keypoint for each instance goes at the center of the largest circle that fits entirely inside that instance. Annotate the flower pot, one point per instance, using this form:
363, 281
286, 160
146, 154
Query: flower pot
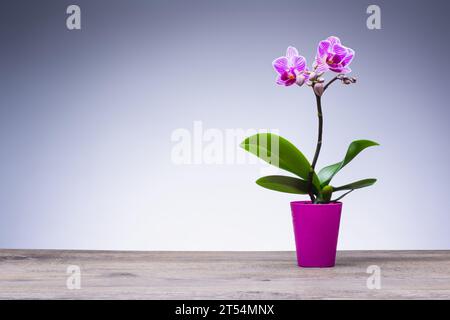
316, 229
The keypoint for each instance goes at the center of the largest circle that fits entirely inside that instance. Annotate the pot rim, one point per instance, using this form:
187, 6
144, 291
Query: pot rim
308, 203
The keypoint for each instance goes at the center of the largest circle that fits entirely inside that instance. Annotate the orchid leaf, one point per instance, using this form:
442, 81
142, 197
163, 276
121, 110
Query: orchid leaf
327, 173
284, 184
281, 153
342, 196
356, 185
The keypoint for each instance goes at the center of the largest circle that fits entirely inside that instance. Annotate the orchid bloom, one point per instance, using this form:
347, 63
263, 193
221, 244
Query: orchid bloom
291, 68
332, 55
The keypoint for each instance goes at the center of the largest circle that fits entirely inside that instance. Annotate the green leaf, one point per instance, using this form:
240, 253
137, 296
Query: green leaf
342, 196
327, 173
356, 185
284, 184
281, 153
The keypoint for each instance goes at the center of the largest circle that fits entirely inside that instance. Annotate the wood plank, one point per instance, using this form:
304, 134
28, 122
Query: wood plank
41, 274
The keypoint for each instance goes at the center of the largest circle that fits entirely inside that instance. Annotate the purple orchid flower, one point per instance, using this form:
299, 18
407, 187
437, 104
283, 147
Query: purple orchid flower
291, 68
332, 55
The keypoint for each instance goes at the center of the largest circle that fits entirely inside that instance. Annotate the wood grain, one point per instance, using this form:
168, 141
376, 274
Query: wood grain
41, 274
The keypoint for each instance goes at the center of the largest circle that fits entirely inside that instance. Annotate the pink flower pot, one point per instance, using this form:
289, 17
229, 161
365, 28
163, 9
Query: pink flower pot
316, 229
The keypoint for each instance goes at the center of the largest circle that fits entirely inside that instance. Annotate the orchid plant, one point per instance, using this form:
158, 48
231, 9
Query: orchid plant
292, 69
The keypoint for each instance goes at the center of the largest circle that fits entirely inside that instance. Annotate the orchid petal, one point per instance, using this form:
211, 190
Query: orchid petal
323, 48
334, 40
321, 67
338, 57
340, 69
299, 63
291, 52
290, 82
285, 82
349, 57
280, 81
283, 78
340, 50
280, 65
337, 68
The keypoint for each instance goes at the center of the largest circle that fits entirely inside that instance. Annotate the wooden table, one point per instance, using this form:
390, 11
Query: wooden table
43, 274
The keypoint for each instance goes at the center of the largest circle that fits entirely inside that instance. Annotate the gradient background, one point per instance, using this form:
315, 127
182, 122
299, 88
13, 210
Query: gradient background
86, 119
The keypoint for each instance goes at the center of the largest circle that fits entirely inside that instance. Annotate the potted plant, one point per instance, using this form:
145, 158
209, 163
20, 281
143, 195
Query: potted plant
316, 222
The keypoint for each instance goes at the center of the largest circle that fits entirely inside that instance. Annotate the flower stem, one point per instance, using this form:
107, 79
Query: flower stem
318, 146
330, 82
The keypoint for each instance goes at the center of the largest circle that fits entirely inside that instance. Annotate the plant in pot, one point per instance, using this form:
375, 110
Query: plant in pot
316, 222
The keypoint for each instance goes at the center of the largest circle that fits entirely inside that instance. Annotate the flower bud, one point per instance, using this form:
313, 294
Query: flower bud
319, 88
313, 76
300, 80
347, 81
